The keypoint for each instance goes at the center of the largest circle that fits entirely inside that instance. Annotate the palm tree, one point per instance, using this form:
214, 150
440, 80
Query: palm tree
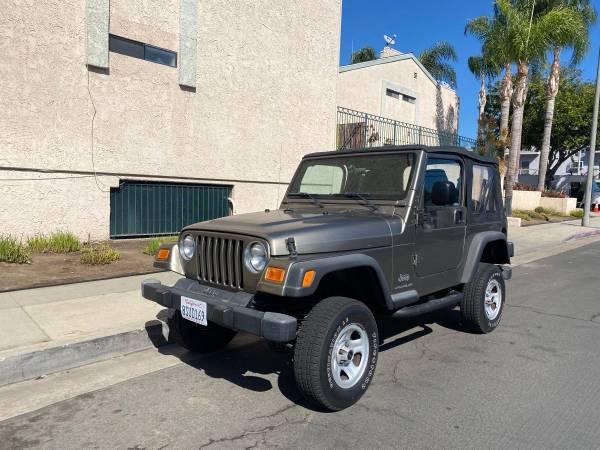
363, 55
482, 67
436, 60
571, 30
528, 35
491, 32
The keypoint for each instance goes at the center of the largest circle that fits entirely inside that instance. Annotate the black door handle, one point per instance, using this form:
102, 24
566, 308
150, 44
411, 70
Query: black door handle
458, 216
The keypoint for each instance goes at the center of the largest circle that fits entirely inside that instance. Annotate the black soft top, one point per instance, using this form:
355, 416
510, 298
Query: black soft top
460, 151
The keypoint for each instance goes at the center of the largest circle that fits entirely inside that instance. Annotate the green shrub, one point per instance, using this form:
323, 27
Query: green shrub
528, 215
552, 193
578, 213
153, 244
57, 242
13, 251
523, 187
537, 215
547, 211
102, 253
523, 215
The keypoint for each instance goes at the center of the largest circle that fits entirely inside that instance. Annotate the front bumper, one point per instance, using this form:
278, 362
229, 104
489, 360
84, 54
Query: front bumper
228, 309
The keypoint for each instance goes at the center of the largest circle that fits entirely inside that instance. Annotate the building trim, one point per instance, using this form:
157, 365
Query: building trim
136, 175
188, 30
390, 59
97, 18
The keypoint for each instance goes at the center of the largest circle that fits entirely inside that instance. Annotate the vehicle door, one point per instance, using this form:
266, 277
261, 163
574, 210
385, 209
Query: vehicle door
440, 229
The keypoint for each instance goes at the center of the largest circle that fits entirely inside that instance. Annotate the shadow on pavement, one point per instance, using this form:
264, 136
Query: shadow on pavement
247, 357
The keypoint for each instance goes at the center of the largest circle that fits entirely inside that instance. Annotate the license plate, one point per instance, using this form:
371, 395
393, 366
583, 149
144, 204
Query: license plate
194, 310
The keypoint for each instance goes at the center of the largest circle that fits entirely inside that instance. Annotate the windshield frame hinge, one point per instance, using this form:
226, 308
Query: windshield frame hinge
290, 244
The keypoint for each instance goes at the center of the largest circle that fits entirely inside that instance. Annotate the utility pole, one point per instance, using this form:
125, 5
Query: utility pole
592, 153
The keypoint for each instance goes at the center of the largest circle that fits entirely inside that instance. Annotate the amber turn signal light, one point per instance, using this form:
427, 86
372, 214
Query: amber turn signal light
275, 274
308, 279
163, 254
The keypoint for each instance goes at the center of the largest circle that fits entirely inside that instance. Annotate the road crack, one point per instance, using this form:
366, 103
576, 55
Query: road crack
261, 432
536, 311
279, 411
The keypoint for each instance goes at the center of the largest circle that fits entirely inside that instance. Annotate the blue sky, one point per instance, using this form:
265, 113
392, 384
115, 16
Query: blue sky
421, 23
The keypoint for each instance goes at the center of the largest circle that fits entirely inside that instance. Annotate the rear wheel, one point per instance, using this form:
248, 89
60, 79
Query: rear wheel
484, 299
198, 338
336, 353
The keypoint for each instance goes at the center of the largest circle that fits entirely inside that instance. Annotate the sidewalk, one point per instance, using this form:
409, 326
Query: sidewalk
54, 328
540, 241
50, 329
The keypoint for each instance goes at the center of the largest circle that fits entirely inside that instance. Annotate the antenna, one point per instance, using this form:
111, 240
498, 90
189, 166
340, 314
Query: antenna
389, 41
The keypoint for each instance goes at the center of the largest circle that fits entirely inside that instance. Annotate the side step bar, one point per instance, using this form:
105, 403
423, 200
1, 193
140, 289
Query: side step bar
451, 299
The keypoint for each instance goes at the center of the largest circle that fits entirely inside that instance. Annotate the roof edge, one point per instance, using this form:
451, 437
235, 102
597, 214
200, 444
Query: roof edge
390, 59
391, 148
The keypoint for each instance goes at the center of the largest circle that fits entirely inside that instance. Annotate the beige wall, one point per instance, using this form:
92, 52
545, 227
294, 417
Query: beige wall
265, 95
363, 89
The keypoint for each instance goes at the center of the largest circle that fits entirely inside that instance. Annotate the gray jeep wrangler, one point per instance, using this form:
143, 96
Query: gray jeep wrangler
398, 231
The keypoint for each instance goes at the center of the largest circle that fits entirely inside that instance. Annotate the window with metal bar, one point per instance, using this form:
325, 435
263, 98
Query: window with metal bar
140, 50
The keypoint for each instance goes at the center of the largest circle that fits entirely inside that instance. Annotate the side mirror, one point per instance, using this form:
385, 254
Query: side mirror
443, 193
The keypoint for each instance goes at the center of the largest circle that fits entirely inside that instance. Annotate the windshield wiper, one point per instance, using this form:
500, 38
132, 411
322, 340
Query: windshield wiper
366, 202
306, 195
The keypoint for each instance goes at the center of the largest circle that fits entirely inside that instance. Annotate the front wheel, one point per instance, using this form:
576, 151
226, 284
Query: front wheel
336, 353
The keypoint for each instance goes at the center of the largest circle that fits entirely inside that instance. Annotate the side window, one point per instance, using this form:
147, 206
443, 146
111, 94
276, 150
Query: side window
482, 190
443, 181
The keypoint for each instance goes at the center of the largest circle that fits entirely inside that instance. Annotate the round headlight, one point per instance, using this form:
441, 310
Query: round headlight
187, 246
255, 257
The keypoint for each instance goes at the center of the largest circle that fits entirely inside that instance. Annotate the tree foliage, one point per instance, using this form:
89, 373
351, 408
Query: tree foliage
363, 55
572, 117
437, 61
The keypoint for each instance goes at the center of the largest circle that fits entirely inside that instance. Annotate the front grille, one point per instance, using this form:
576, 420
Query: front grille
220, 261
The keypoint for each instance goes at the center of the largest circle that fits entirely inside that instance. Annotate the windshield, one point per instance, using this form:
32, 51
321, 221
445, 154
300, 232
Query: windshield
370, 175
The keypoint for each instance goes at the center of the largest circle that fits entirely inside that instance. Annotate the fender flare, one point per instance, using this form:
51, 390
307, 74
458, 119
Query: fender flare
323, 266
478, 243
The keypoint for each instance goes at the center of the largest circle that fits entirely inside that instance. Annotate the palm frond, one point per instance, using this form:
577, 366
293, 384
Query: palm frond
435, 60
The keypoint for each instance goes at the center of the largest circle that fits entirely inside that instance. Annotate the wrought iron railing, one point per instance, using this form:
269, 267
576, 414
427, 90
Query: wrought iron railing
357, 129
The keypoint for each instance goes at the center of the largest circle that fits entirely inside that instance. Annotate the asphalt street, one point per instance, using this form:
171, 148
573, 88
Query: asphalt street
533, 383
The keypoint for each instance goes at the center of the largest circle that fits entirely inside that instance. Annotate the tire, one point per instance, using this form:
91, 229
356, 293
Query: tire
197, 338
476, 316
331, 324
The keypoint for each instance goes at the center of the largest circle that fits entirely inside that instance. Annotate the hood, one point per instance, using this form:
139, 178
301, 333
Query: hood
313, 231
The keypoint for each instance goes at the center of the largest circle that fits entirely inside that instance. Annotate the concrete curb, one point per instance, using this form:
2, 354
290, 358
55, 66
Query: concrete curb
66, 282
36, 363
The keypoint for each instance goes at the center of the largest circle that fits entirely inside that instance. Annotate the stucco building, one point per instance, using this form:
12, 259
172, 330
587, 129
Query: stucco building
397, 87
115, 111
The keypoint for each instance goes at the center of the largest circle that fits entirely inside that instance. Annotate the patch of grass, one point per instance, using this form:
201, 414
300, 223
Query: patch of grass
523, 215
577, 213
547, 211
536, 215
13, 251
57, 242
101, 253
153, 244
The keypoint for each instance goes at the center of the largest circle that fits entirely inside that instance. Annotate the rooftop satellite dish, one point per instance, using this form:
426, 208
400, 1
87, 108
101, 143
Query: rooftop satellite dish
389, 41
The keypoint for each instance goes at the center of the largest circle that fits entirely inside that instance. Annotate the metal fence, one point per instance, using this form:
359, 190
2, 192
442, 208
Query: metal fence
357, 129
139, 208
